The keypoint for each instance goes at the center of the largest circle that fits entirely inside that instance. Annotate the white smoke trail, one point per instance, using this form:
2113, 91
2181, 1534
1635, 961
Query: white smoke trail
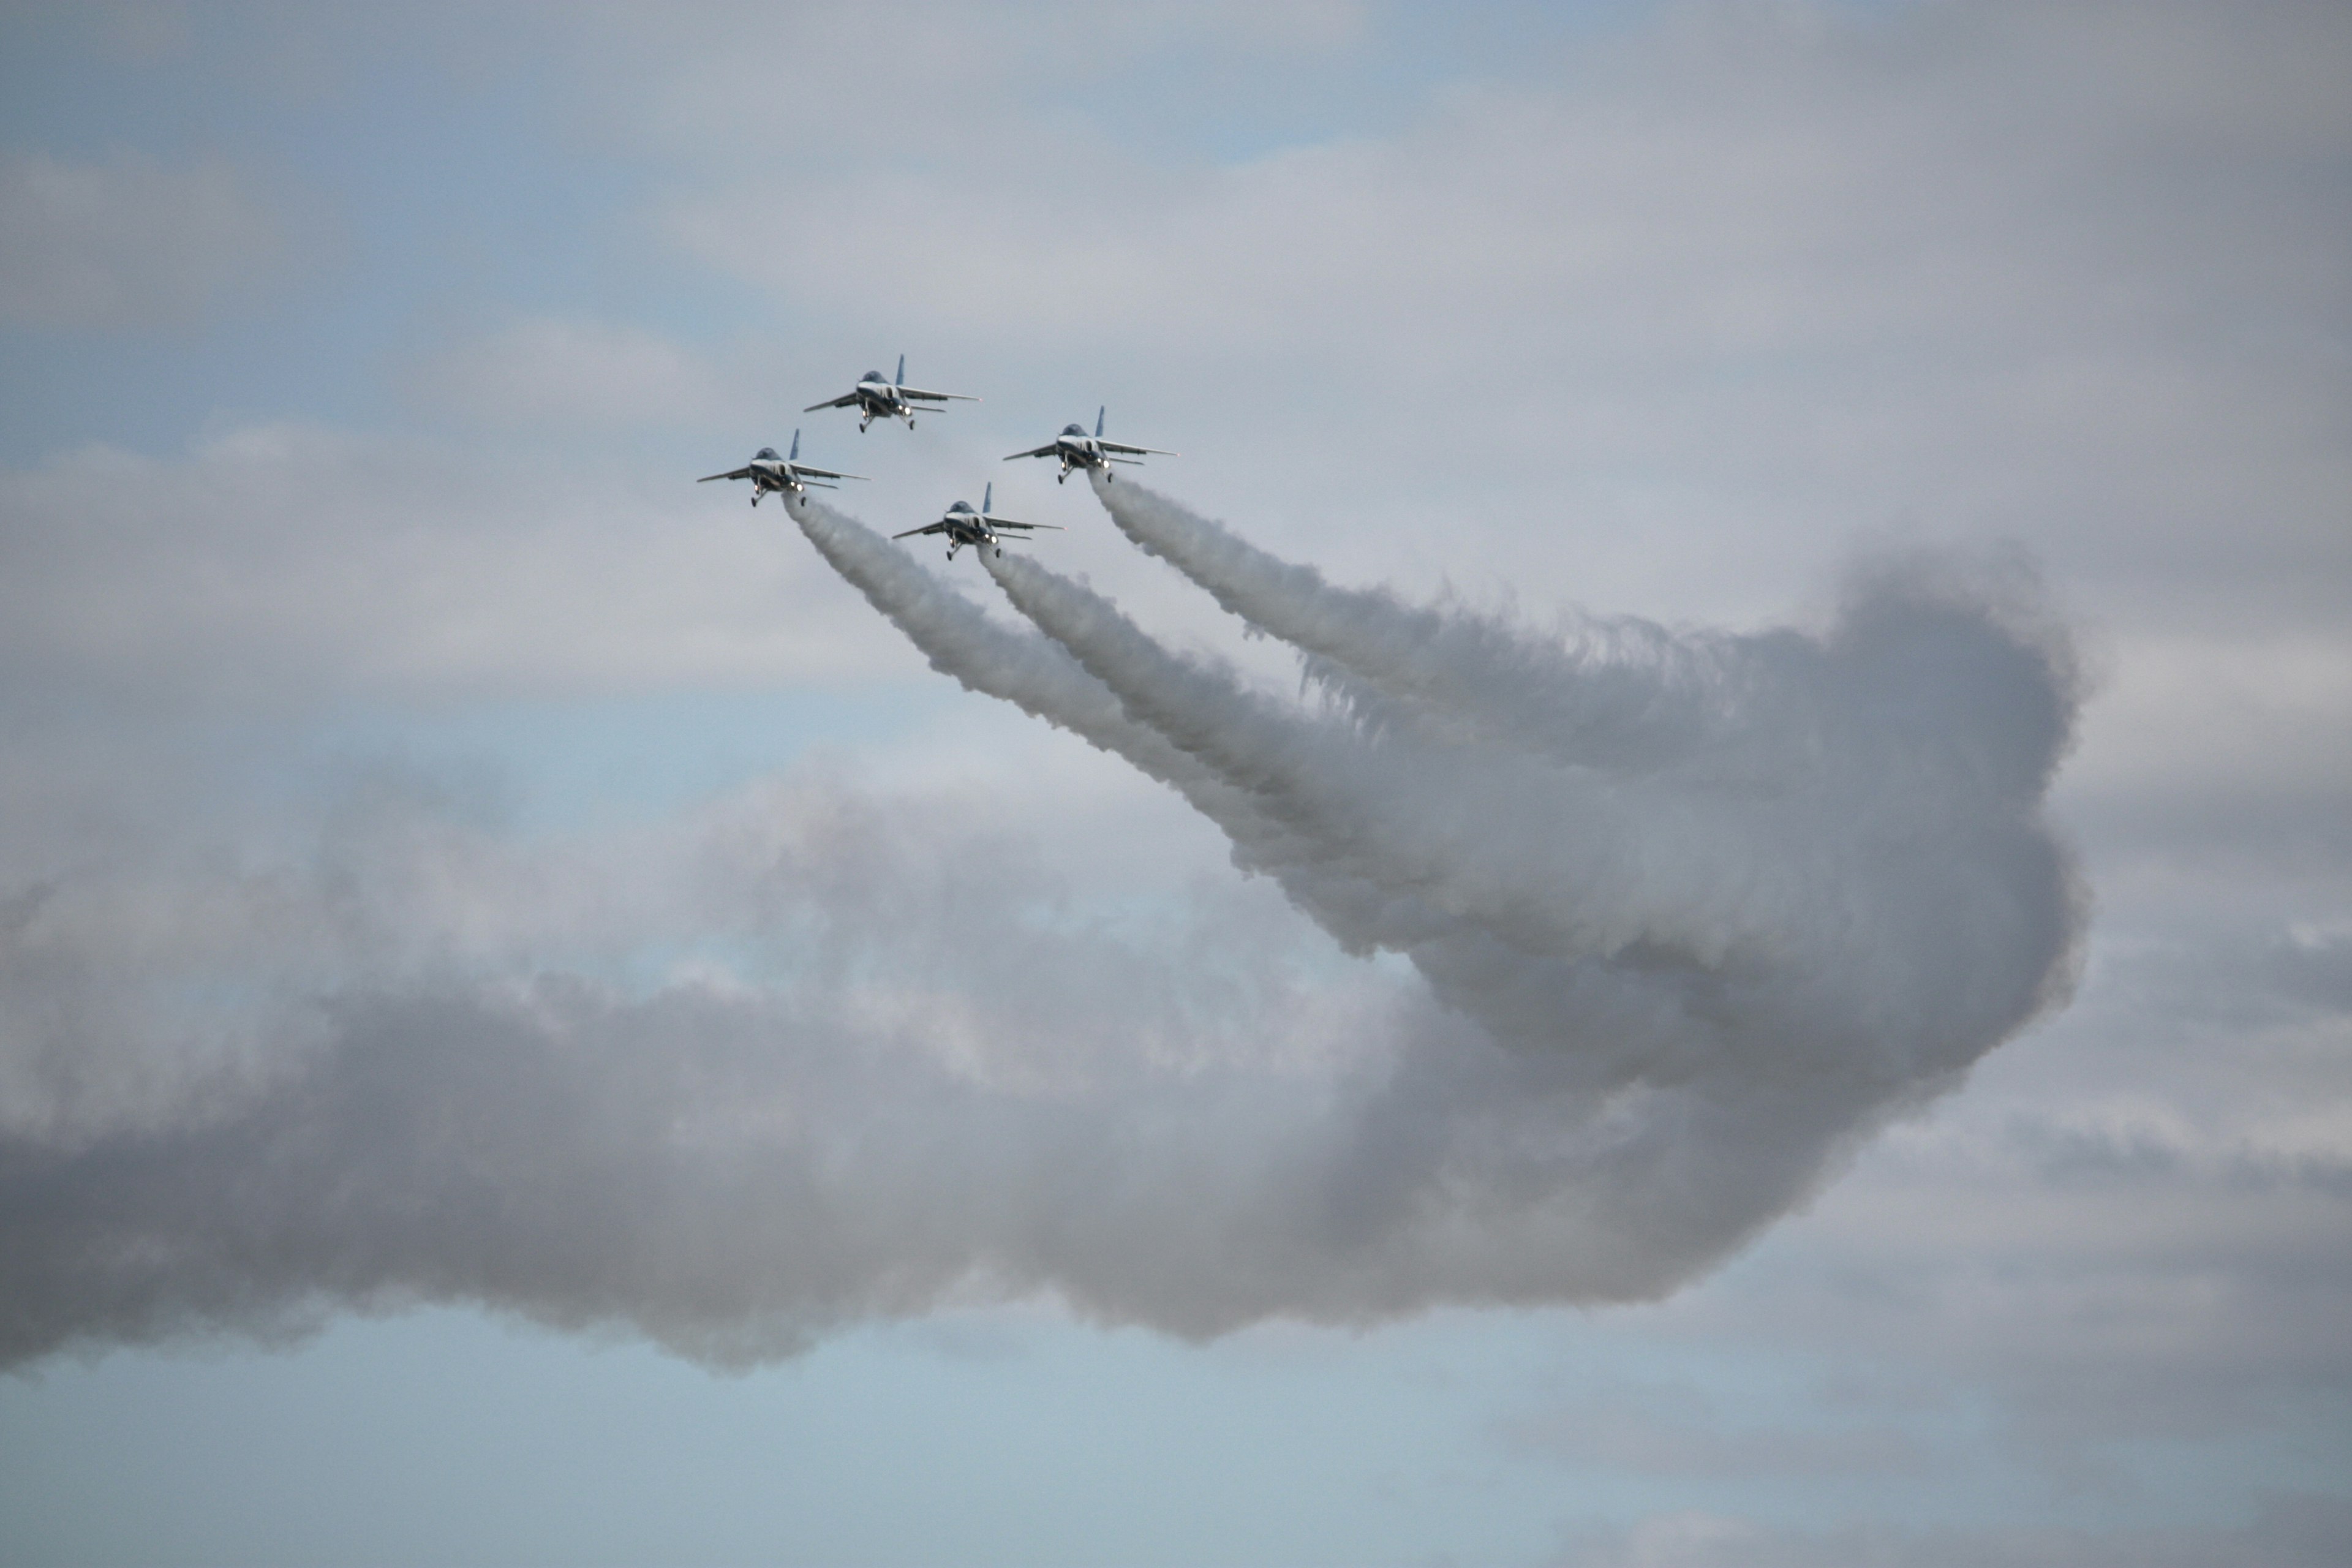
1608, 693
1470, 962
1675, 965
1729, 900
1744, 865
1862, 804
1040, 678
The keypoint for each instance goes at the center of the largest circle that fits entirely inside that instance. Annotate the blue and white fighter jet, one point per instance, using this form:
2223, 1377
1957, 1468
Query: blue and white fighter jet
769, 472
893, 399
977, 529
1079, 450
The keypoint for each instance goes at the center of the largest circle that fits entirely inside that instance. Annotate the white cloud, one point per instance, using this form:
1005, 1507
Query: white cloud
1716, 291
547, 372
290, 561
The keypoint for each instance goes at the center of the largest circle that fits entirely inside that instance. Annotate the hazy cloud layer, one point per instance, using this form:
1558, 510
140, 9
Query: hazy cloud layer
2289, 1532
290, 561
129, 243
1699, 289
586, 375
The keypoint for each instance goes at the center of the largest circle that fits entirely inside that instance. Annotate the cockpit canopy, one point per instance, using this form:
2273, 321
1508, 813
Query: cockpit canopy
876, 375
1074, 429
766, 455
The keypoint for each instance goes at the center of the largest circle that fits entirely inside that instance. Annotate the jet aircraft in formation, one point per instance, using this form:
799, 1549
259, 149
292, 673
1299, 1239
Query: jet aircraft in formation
977, 529
1079, 450
876, 397
769, 472
894, 399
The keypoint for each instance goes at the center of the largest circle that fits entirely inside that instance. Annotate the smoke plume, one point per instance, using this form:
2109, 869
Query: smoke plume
1719, 904
1685, 917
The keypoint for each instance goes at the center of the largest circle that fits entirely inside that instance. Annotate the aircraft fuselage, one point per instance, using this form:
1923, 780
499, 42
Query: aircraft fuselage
965, 526
880, 400
1079, 452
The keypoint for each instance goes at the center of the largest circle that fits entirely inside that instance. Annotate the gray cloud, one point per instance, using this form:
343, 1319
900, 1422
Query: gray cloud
1667, 1430
2128, 1229
2288, 1531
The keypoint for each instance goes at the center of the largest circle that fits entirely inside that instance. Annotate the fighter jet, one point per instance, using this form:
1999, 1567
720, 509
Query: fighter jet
892, 399
977, 529
769, 472
1079, 450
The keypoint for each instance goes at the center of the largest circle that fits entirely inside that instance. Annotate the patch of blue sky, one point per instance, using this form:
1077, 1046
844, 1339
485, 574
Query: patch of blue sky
411, 195
1006, 1437
2215, 1479
987, 1436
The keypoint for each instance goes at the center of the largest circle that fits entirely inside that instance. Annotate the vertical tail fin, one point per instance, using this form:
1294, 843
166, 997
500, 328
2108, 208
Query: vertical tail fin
902, 372
988, 498
796, 448
1098, 419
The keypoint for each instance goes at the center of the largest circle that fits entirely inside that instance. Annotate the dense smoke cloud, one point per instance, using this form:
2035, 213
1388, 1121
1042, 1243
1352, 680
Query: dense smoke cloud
1723, 901
1690, 915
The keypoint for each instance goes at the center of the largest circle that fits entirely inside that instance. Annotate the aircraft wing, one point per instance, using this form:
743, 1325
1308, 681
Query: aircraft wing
1008, 523
824, 473
1118, 447
935, 396
1047, 450
738, 474
933, 528
844, 401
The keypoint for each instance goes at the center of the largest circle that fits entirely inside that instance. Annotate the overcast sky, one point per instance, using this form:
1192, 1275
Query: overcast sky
536, 1025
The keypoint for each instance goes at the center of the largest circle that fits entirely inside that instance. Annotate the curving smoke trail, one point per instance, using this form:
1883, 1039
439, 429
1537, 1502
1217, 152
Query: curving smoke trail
1778, 807
1689, 915
1727, 902
1774, 896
